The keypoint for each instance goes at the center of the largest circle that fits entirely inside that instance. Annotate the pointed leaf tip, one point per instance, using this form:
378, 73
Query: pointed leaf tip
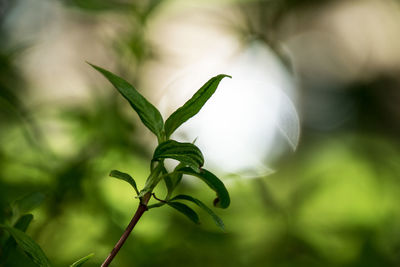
193, 105
148, 114
223, 199
125, 177
81, 261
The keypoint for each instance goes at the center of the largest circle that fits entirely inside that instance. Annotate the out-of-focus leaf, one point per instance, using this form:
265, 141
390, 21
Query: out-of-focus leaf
148, 114
23, 222
193, 105
215, 217
29, 246
125, 177
169, 185
80, 262
176, 177
100, 5
186, 210
223, 199
187, 153
29, 202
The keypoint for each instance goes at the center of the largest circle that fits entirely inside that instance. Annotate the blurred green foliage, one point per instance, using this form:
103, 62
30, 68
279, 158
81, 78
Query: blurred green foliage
332, 203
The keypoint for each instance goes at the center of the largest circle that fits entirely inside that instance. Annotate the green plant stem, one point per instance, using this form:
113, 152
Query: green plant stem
154, 178
152, 181
138, 214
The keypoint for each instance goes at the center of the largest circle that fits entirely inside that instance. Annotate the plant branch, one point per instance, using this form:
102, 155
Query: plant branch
138, 214
163, 201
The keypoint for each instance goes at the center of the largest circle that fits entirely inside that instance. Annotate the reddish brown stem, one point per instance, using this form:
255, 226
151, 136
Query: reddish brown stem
138, 214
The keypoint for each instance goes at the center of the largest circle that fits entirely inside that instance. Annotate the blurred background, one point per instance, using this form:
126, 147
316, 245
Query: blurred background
305, 135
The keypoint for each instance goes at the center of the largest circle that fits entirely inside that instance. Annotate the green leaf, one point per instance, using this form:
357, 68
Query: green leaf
148, 114
186, 210
176, 177
215, 217
186, 153
171, 180
154, 178
193, 105
80, 262
169, 184
29, 202
29, 246
125, 177
223, 199
23, 222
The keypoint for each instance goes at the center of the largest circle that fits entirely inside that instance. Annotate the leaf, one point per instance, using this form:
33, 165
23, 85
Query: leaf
155, 176
29, 246
176, 177
193, 105
186, 153
80, 262
169, 184
186, 210
23, 222
215, 217
172, 180
148, 114
223, 199
125, 177
29, 202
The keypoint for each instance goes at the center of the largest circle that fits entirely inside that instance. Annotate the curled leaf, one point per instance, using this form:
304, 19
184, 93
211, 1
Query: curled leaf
187, 153
223, 199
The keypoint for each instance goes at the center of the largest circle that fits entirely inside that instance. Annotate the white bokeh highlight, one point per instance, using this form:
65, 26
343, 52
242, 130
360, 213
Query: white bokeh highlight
238, 127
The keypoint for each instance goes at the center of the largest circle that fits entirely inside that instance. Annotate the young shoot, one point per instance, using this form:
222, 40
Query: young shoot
188, 155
